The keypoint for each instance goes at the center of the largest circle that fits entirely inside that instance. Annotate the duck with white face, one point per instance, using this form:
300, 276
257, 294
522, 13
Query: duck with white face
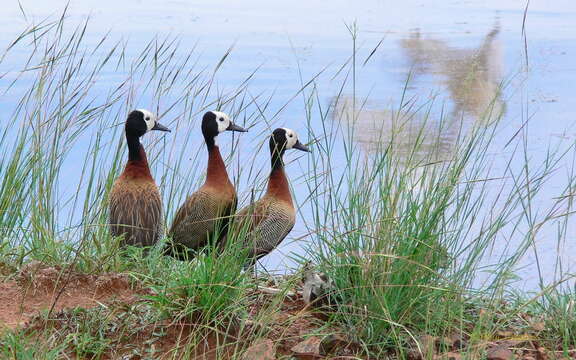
284, 139
205, 214
135, 205
269, 220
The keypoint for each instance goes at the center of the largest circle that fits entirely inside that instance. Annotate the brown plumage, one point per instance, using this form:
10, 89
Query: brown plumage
135, 205
269, 220
207, 211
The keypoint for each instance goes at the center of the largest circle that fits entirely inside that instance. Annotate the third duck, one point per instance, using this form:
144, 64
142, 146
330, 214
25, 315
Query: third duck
269, 220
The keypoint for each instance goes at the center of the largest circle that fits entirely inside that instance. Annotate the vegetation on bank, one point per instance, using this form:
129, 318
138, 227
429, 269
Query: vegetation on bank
405, 238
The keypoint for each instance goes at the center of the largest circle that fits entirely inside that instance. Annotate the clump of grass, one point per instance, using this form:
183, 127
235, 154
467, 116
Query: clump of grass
209, 290
17, 345
402, 231
388, 245
559, 314
89, 338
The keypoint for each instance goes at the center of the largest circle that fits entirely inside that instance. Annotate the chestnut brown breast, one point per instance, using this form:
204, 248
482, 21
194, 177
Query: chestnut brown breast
135, 205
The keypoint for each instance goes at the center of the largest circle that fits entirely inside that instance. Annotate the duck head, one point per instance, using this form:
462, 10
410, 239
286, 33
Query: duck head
140, 121
283, 139
216, 122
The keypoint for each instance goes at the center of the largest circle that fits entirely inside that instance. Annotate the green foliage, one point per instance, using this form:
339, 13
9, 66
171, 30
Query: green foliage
88, 339
21, 346
559, 309
211, 289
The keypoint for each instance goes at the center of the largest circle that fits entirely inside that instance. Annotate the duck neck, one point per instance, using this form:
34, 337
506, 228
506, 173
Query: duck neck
216, 170
137, 166
278, 186
133, 147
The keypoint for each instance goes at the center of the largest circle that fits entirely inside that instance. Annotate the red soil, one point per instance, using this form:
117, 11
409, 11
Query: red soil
38, 288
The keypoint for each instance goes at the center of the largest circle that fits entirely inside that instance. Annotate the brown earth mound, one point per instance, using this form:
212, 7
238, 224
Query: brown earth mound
40, 288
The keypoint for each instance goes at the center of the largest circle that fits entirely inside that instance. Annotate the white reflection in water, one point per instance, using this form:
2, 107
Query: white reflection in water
469, 77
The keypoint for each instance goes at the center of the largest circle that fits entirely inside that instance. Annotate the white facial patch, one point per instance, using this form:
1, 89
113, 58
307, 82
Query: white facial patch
149, 119
291, 138
222, 120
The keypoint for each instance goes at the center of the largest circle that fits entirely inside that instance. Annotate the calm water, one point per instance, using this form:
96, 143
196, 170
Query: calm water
456, 52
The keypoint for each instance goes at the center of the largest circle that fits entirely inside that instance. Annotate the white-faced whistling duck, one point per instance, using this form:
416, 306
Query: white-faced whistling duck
268, 220
206, 213
135, 204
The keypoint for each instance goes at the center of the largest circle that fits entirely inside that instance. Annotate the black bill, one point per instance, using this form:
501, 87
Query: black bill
300, 146
234, 127
160, 127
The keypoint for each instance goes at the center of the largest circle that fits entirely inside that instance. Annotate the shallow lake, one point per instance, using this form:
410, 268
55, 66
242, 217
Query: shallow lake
456, 52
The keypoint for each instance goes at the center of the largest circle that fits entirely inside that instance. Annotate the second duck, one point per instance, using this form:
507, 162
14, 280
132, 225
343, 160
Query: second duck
206, 212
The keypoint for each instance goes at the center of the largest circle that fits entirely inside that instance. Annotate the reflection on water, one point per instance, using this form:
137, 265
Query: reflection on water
470, 77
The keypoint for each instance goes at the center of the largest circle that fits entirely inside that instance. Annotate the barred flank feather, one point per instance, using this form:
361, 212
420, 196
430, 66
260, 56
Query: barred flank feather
270, 220
203, 213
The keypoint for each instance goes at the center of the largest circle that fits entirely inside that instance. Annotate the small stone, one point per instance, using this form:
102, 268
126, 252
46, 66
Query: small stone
425, 347
317, 289
307, 349
262, 349
539, 326
445, 343
414, 354
499, 353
